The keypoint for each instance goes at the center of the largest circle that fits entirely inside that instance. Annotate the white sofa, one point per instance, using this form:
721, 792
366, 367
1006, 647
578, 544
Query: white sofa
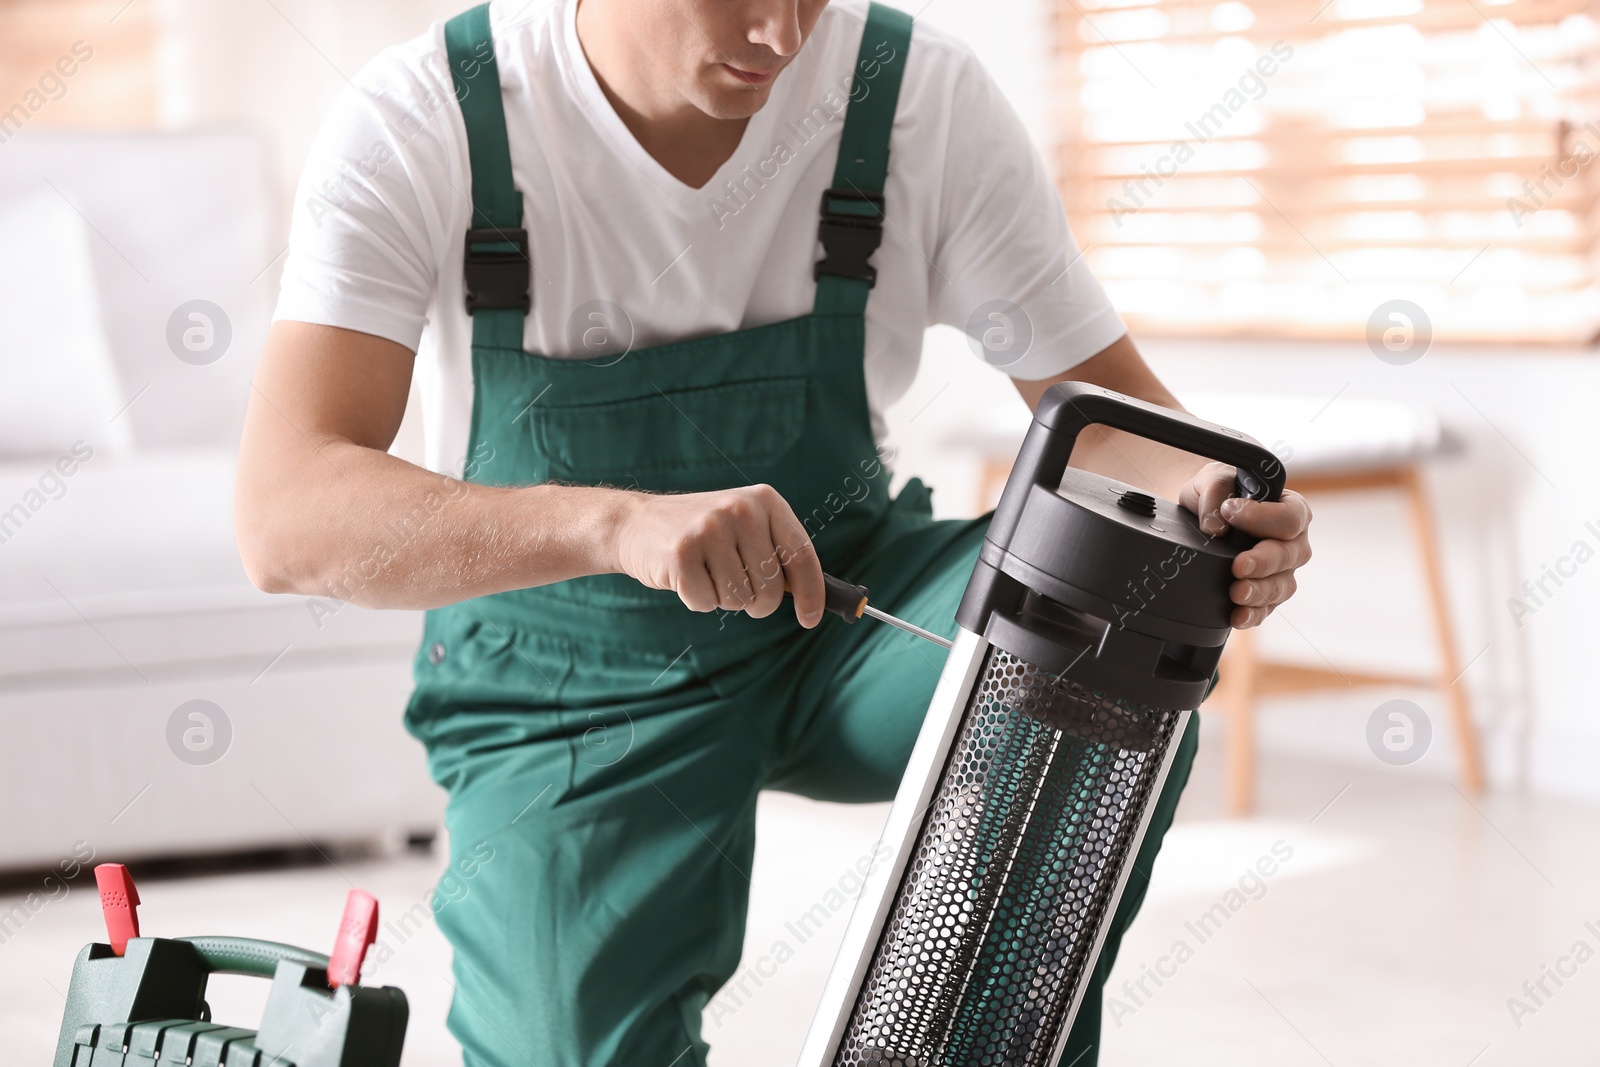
122, 598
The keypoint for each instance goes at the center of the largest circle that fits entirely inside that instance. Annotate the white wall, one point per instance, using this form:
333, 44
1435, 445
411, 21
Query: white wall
275, 68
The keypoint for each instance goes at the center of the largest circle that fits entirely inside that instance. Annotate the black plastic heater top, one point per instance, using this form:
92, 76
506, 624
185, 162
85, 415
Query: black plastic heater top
1099, 581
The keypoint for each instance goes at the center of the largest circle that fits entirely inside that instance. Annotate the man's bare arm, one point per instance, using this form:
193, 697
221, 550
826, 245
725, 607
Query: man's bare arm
322, 509
1116, 454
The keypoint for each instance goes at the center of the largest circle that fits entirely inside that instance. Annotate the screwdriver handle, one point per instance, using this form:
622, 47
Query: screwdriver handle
840, 597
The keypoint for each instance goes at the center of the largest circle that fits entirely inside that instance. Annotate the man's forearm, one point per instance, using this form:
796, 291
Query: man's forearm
1135, 460
360, 526
1116, 454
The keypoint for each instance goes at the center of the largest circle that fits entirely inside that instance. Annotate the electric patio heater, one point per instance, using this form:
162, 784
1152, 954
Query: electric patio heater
1090, 630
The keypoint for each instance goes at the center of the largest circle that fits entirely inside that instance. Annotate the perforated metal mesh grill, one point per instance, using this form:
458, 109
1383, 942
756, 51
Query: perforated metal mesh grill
995, 917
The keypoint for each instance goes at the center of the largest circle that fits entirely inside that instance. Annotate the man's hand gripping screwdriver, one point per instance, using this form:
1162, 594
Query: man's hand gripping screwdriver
849, 602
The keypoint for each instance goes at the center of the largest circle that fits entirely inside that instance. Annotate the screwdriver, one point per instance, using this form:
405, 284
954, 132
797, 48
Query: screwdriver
849, 602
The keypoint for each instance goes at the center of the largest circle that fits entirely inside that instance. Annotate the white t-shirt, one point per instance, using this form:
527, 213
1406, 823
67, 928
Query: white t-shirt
973, 227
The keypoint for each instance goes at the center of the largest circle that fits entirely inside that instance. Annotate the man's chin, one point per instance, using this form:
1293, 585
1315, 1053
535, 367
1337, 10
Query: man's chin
730, 103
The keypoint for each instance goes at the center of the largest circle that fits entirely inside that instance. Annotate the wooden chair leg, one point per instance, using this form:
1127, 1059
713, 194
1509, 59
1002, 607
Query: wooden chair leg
1237, 692
1454, 690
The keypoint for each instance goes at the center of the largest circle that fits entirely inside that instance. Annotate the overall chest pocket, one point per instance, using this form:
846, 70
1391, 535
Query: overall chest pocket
674, 440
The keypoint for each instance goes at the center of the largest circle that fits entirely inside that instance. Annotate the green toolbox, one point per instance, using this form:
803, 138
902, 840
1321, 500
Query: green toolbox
141, 1000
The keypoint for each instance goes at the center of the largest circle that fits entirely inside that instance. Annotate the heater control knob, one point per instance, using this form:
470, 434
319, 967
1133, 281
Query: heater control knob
1133, 500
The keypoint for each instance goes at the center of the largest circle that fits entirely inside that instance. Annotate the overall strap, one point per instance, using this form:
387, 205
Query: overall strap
852, 210
498, 270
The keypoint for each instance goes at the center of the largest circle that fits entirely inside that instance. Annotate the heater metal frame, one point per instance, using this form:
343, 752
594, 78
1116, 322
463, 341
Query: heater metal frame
902, 830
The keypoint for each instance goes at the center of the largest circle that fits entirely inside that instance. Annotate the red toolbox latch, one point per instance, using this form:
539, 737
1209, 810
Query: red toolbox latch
358, 929
119, 902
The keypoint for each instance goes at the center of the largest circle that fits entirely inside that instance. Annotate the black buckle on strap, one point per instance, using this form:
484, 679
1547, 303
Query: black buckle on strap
498, 278
849, 237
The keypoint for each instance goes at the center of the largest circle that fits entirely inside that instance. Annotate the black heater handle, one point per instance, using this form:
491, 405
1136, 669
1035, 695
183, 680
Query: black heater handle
1067, 408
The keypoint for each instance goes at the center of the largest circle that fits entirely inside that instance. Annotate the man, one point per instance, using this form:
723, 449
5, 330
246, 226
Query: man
634, 443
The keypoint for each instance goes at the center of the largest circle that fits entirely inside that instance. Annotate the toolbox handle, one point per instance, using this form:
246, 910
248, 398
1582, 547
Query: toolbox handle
244, 955
1068, 408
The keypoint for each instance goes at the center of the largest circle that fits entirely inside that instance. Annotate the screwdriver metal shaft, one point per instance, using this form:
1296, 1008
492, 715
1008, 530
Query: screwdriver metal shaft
910, 628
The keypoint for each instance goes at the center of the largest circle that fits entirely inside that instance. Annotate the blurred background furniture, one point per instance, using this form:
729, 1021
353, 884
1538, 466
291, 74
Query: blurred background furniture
122, 596
1340, 446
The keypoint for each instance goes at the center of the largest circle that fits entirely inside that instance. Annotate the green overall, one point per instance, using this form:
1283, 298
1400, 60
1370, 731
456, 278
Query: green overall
602, 746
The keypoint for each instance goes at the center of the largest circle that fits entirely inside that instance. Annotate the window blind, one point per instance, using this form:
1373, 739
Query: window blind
1296, 167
